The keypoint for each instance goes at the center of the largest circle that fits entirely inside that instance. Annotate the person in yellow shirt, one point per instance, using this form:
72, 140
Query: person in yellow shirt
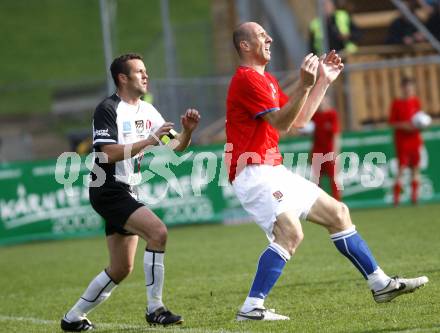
342, 32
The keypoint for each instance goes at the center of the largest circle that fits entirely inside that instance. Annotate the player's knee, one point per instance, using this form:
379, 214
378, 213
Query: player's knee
294, 240
342, 217
298, 237
160, 236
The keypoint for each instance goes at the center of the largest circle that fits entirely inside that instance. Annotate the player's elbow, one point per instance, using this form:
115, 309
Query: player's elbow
279, 124
298, 124
111, 154
276, 121
283, 127
111, 157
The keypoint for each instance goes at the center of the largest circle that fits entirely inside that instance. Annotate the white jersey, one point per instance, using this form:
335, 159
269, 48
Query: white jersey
116, 121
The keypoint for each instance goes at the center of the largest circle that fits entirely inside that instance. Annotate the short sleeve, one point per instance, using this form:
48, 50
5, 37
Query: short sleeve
105, 130
259, 95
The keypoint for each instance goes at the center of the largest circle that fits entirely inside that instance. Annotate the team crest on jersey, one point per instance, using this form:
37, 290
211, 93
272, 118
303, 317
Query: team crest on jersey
139, 126
278, 195
148, 124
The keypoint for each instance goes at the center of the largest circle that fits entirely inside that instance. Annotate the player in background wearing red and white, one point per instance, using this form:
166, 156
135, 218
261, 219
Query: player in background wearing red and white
407, 138
276, 198
326, 140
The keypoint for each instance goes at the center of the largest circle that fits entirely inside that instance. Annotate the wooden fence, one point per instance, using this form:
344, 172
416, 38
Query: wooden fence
371, 91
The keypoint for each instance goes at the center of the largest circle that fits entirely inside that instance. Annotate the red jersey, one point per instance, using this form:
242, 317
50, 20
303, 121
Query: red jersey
402, 110
254, 141
326, 127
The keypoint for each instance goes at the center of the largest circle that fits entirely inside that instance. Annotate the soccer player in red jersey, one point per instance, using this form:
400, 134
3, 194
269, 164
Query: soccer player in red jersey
276, 198
326, 142
407, 138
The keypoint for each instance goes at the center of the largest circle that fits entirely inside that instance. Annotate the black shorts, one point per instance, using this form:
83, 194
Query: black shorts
114, 202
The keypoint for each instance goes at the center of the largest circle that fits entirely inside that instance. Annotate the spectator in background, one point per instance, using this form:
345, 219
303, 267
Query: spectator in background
402, 31
326, 140
433, 22
408, 140
342, 33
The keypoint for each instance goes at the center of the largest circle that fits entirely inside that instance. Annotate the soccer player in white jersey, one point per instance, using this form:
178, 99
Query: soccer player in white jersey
124, 127
276, 198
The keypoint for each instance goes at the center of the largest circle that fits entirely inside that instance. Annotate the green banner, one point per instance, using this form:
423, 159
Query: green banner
192, 187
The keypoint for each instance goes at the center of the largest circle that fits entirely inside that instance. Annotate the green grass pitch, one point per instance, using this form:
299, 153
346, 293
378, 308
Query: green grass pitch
209, 270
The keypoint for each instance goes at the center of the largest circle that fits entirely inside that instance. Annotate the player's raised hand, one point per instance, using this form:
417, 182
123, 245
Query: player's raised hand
330, 66
190, 119
309, 69
164, 129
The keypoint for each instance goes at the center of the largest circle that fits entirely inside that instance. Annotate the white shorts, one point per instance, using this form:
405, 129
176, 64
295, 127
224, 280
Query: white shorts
266, 191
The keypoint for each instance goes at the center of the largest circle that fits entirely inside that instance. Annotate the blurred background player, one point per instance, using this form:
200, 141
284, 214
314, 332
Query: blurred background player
326, 140
407, 138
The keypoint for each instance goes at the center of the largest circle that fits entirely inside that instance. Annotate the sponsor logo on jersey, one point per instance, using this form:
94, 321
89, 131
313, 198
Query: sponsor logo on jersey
126, 127
102, 132
278, 195
139, 126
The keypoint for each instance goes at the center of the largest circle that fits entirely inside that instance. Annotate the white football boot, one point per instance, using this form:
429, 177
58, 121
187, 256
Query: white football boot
398, 286
260, 314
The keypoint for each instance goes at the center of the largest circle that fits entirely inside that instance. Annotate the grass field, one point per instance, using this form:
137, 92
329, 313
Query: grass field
209, 270
56, 43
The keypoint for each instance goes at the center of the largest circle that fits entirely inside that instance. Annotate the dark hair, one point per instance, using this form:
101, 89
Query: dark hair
406, 80
240, 33
119, 65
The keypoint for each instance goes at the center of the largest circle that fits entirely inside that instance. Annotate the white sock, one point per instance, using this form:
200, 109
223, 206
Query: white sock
251, 303
154, 278
378, 280
97, 292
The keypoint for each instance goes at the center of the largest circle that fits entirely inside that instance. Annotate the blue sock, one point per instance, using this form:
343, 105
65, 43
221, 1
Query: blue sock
351, 245
270, 266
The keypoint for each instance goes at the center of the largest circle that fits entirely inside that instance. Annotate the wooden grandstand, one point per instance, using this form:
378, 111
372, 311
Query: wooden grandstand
368, 91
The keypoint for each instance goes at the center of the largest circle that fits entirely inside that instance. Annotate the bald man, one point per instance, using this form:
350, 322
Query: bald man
276, 198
